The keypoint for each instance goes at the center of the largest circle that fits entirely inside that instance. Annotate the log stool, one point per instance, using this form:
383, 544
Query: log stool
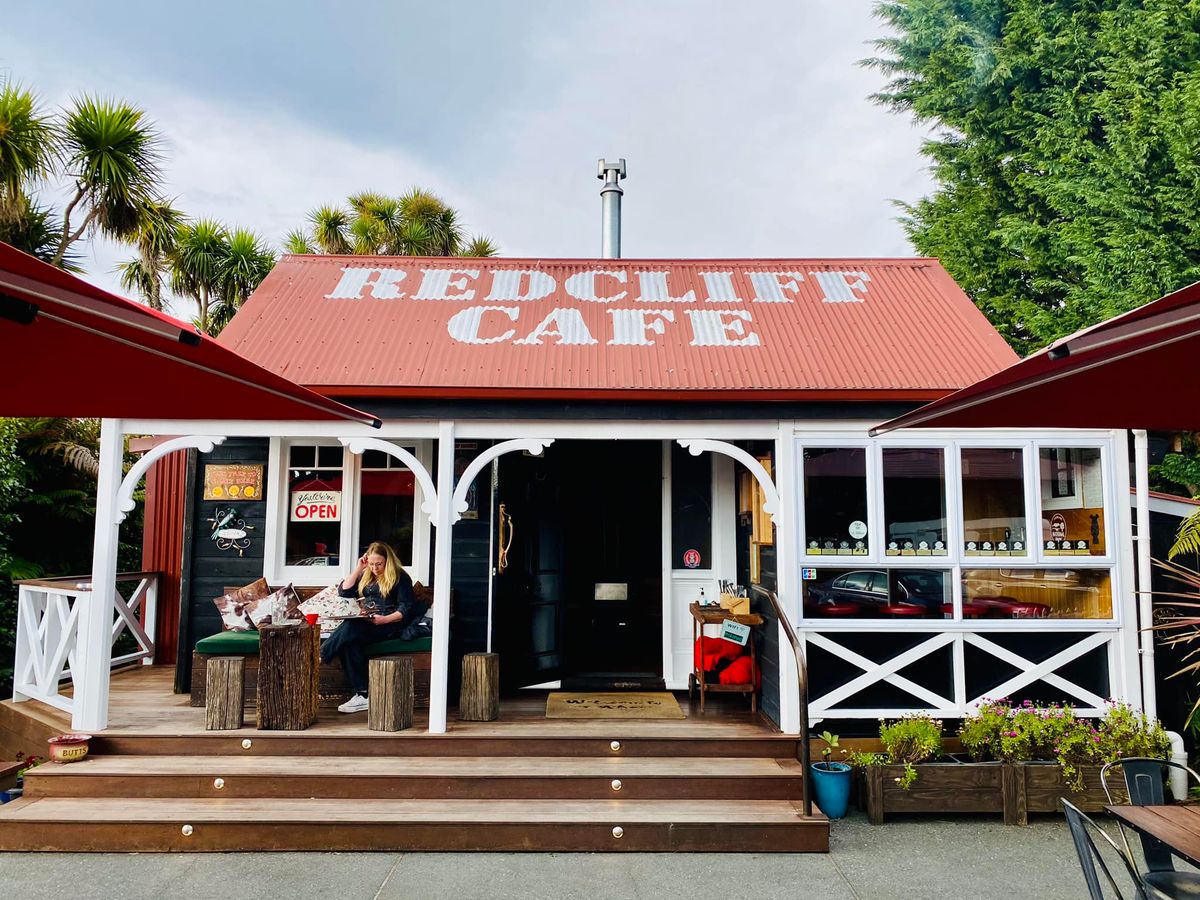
479, 699
390, 690
223, 704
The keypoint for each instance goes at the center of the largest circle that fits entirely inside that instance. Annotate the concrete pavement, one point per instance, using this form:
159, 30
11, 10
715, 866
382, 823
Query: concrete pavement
906, 859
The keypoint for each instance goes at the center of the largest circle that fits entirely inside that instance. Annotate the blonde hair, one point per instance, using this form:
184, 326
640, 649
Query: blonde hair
391, 570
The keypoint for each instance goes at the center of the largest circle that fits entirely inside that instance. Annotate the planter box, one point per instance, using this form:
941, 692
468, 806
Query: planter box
1012, 789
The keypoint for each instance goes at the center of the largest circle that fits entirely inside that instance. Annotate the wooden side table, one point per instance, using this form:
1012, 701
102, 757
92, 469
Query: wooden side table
289, 662
714, 615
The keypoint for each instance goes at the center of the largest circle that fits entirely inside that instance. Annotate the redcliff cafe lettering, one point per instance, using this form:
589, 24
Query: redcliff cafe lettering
491, 320
573, 452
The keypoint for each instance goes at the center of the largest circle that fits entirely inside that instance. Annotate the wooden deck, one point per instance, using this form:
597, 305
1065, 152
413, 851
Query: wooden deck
723, 780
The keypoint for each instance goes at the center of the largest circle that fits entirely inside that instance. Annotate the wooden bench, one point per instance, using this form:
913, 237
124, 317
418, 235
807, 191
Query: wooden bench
333, 689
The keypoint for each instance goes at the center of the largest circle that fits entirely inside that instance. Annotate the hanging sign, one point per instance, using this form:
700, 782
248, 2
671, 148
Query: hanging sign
735, 632
316, 506
691, 559
233, 482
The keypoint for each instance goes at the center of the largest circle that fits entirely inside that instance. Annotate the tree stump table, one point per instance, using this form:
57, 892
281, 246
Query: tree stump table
391, 693
289, 661
479, 700
223, 701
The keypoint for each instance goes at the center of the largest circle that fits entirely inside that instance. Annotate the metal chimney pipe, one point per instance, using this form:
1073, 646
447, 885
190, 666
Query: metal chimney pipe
611, 174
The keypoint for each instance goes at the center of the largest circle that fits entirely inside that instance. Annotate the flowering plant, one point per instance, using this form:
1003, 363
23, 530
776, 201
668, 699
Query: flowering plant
1028, 732
27, 761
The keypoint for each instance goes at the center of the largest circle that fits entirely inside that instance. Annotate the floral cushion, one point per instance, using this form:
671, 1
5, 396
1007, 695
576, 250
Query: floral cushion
232, 606
327, 603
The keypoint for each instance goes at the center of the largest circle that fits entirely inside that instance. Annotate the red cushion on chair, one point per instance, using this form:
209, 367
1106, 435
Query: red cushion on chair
740, 671
715, 649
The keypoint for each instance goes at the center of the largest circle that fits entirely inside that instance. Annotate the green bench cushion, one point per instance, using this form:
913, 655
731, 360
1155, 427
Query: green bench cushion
235, 643
383, 648
231, 643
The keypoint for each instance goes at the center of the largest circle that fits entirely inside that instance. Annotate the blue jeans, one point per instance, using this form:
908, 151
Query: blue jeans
349, 644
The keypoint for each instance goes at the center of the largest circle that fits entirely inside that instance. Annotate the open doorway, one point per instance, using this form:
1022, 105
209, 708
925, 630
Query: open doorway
579, 599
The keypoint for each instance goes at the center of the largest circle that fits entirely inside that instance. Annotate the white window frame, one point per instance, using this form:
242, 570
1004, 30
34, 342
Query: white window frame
275, 541
956, 560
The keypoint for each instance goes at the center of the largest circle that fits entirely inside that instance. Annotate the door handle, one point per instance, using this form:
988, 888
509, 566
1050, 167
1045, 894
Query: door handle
505, 539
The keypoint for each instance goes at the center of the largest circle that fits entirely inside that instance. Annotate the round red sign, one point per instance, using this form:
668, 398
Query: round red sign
691, 559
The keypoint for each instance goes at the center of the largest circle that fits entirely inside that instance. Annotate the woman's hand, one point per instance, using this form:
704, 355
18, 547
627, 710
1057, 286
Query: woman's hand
377, 619
362, 562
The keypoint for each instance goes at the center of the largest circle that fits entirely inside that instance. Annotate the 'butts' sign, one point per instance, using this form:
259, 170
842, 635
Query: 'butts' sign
530, 307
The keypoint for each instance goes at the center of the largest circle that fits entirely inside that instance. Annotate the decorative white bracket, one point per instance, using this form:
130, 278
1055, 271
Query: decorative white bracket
125, 503
770, 494
428, 491
533, 445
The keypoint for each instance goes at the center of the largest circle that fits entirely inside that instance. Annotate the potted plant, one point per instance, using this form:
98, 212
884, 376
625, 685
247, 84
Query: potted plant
831, 780
24, 762
1024, 758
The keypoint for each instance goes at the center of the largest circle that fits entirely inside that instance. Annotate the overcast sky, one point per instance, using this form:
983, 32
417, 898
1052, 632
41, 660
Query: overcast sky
746, 126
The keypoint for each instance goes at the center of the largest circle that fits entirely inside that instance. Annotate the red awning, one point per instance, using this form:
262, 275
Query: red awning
1137, 370
68, 348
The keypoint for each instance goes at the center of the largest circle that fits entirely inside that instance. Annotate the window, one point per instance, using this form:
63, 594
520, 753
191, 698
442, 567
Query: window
691, 509
314, 503
1037, 593
993, 491
1072, 497
914, 501
386, 509
835, 501
892, 594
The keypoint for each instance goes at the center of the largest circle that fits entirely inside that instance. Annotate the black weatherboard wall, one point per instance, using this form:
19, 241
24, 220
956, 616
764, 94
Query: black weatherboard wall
207, 571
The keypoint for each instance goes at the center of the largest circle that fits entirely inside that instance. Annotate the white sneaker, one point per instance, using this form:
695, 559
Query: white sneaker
357, 703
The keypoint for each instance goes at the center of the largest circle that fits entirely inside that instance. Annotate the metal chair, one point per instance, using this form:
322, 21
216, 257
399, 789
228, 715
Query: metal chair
1144, 783
1090, 859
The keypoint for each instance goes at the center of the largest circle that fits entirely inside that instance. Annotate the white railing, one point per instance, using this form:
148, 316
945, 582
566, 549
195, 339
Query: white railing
47, 629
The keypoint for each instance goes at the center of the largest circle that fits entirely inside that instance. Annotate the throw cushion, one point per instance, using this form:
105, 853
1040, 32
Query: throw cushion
423, 595
327, 603
715, 649
232, 606
273, 608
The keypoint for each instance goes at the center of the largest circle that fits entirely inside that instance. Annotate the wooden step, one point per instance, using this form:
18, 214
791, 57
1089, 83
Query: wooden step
396, 778
314, 743
158, 825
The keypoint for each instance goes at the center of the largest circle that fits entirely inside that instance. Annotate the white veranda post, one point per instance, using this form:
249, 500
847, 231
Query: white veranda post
94, 647
444, 521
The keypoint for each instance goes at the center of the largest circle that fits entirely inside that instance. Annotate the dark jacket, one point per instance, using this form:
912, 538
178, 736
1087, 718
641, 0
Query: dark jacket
400, 597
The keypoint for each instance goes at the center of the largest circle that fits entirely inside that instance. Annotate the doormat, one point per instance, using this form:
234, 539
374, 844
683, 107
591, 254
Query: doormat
658, 705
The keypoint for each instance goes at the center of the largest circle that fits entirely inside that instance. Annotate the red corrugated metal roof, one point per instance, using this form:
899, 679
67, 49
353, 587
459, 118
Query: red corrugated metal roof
822, 329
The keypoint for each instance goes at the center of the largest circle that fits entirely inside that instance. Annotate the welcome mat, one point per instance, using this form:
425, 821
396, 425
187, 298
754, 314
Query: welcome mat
657, 705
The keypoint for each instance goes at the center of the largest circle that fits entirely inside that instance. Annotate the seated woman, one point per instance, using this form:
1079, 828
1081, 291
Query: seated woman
379, 581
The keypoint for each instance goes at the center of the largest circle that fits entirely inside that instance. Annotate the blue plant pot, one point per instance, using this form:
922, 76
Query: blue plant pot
831, 786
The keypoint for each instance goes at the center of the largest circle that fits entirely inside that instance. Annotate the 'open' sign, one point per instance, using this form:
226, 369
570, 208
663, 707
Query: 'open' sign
316, 506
